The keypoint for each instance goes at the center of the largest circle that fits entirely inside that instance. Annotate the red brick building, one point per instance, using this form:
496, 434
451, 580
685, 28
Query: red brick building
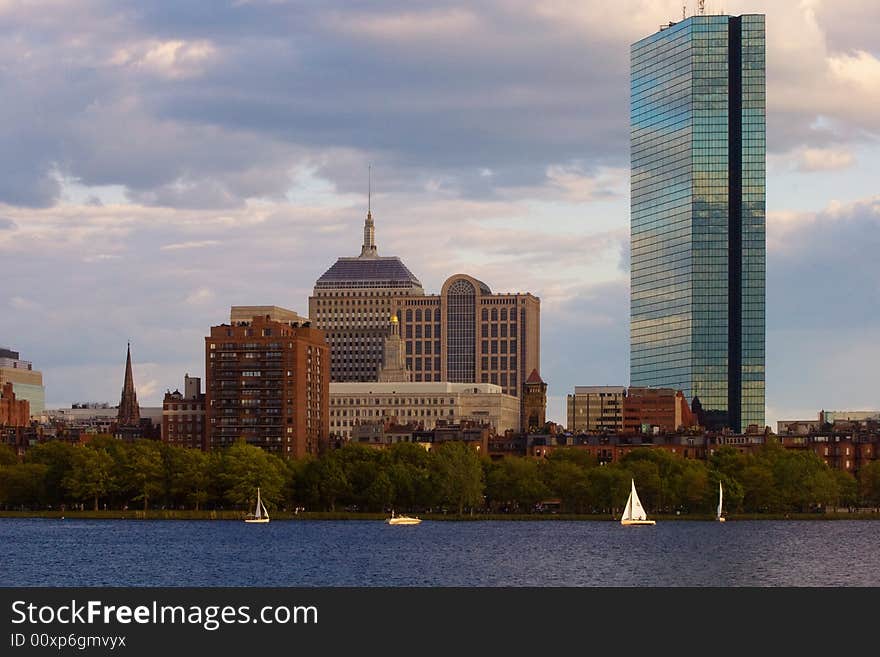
183, 415
268, 383
662, 409
13, 412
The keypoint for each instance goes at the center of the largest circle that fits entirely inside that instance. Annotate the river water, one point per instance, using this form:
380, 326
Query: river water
482, 553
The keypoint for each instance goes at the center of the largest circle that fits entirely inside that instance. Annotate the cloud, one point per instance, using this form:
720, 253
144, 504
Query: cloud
148, 389
187, 112
201, 244
201, 296
172, 59
7, 224
823, 273
824, 159
102, 257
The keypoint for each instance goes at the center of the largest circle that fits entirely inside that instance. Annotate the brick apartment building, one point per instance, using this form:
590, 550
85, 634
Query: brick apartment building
267, 382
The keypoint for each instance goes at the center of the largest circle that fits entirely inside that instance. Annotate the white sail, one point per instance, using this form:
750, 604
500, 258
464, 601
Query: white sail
265, 510
627, 511
637, 511
720, 497
258, 513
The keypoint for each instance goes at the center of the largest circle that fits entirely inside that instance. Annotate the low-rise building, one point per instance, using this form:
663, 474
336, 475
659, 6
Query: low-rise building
13, 412
244, 315
383, 434
424, 404
655, 410
596, 408
26, 381
183, 415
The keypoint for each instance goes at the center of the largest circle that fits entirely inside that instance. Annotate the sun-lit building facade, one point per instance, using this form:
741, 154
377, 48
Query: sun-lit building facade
698, 214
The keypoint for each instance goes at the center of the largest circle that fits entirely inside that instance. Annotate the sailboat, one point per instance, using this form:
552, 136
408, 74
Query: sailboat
260, 514
718, 515
634, 513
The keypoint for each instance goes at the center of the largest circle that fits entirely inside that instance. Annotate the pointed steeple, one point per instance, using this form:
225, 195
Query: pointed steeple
369, 249
129, 412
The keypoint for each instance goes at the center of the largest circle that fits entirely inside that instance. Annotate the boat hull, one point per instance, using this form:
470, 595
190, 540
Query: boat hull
630, 523
257, 520
403, 521
721, 520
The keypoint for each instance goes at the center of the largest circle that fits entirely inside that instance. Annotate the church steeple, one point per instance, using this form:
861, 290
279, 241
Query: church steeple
369, 247
129, 412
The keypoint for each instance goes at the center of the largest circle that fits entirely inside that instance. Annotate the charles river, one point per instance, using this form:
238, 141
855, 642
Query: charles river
482, 553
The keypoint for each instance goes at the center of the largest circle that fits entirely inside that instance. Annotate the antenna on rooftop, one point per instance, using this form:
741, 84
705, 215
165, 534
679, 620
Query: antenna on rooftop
369, 186
702, 7
684, 11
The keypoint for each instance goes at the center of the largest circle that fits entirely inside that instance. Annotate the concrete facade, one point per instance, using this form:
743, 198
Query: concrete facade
595, 408
423, 404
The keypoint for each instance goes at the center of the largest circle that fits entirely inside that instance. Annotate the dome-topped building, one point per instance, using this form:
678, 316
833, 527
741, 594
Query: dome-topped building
352, 301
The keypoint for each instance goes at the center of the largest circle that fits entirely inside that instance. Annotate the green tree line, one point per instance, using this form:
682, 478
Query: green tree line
113, 474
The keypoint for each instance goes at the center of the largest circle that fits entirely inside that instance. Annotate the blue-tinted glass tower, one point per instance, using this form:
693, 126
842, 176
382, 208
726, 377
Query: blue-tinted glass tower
698, 214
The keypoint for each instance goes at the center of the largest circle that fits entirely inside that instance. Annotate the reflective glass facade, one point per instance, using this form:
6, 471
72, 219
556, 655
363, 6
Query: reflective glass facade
698, 214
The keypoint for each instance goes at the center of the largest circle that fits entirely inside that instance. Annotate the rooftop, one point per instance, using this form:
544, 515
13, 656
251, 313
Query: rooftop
368, 271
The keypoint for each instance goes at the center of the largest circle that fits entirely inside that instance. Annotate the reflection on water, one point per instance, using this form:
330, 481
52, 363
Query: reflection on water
371, 553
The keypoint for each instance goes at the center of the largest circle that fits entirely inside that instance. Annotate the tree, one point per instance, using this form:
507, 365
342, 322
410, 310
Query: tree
245, 468
22, 484
143, 470
408, 469
515, 482
91, 474
58, 457
869, 483
380, 492
7, 456
847, 489
760, 492
567, 481
458, 475
188, 475
609, 488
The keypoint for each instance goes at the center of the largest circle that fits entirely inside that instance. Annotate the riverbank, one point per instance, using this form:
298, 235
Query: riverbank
346, 515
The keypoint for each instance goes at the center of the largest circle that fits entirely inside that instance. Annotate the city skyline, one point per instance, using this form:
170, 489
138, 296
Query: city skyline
158, 159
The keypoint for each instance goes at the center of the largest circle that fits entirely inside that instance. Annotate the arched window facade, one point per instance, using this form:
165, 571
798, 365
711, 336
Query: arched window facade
461, 339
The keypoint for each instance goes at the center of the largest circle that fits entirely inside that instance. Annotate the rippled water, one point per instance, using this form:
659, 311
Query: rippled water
371, 553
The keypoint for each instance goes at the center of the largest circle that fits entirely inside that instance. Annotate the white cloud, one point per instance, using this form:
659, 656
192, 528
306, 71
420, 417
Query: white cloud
199, 244
201, 296
172, 59
148, 389
824, 159
408, 26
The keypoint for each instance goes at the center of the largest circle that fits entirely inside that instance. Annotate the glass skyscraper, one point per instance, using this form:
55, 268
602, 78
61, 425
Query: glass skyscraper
697, 142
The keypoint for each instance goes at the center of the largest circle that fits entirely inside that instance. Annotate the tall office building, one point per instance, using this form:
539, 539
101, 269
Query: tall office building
465, 334
469, 334
698, 214
352, 302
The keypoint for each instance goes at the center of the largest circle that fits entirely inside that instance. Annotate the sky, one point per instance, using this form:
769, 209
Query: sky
162, 161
